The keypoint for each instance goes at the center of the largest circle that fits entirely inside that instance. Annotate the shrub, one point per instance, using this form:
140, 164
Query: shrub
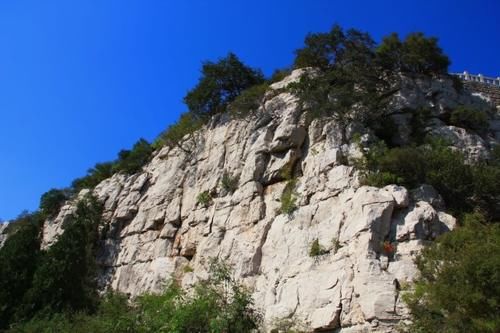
459, 286
469, 118
114, 315
128, 162
52, 201
336, 245
229, 183
204, 198
288, 198
462, 186
249, 100
65, 279
381, 179
279, 74
220, 84
19, 258
131, 161
188, 123
218, 304
316, 249
94, 176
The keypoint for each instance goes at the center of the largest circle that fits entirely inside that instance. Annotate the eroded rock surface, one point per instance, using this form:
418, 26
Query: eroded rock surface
157, 227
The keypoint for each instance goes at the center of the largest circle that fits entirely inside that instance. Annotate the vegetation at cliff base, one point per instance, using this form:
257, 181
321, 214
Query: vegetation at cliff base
350, 79
459, 285
218, 304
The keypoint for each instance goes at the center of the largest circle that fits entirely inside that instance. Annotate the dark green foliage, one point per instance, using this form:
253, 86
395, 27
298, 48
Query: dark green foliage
218, 304
65, 279
459, 286
248, 101
469, 118
416, 54
131, 161
188, 123
316, 249
204, 198
229, 183
94, 176
419, 122
52, 201
462, 186
486, 192
349, 86
336, 47
221, 82
114, 315
18, 261
288, 198
128, 162
385, 128
278, 75
356, 80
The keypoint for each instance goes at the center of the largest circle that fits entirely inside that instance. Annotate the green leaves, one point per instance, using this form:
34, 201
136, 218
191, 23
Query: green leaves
463, 186
65, 278
417, 54
131, 161
173, 135
469, 118
128, 162
221, 82
349, 86
52, 201
459, 286
19, 258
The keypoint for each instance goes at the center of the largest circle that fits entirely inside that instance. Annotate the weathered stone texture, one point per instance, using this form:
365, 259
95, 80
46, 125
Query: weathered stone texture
157, 227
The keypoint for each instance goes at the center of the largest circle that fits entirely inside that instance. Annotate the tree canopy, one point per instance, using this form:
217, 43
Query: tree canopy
221, 82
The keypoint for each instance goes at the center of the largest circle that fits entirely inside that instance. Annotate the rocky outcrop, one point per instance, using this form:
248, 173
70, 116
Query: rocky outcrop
3, 232
369, 236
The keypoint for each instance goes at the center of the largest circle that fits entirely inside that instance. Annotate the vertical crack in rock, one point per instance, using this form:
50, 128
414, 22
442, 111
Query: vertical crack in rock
257, 258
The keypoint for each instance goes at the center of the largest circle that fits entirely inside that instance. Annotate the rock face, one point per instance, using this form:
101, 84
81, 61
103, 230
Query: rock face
369, 236
3, 233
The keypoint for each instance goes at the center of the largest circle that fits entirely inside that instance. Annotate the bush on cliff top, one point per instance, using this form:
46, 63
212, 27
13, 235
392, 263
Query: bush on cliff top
221, 82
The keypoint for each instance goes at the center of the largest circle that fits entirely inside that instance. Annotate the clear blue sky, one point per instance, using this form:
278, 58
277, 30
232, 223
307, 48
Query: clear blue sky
82, 79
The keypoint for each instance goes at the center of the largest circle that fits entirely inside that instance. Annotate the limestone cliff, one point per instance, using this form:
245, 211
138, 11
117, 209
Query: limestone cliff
156, 227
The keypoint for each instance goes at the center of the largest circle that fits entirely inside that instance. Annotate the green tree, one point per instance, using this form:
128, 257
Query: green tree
188, 123
94, 176
416, 54
349, 87
65, 280
52, 201
131, 161
221, 82
19, 258
470, 118
459, 285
